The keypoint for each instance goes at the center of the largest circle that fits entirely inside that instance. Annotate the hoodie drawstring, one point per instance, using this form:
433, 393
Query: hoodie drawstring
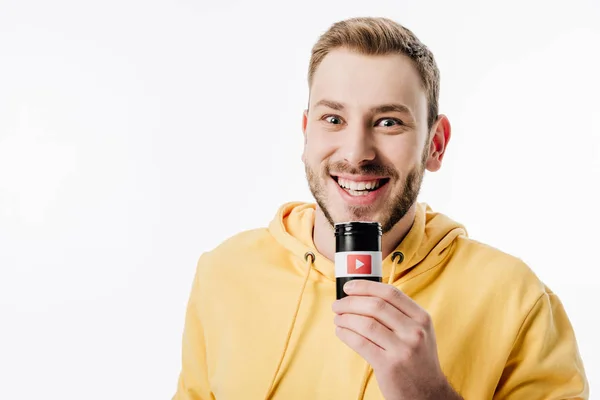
309, 265
397, 259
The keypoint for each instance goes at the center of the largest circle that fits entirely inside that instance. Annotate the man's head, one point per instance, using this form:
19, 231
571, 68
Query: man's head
372, 125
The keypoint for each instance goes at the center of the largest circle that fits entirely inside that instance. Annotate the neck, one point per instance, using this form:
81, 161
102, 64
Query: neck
324, 238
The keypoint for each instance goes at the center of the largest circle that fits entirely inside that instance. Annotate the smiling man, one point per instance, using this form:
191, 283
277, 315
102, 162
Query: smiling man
453, 319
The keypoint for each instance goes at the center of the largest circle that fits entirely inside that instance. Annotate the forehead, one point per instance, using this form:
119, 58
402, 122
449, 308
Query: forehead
364, 81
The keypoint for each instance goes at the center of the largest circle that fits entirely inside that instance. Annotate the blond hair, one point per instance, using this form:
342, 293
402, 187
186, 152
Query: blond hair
381, 36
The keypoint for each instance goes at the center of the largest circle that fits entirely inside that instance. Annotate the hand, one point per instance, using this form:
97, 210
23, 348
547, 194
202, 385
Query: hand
395, 336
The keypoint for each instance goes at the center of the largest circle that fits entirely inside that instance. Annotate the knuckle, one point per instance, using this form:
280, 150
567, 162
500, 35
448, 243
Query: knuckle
417, 337
393, 293
424, 319
362, 343
371, 325
378, 304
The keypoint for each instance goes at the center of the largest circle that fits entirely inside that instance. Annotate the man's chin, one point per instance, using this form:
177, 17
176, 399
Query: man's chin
347, 213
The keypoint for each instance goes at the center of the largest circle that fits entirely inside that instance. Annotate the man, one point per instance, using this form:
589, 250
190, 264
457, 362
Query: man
452, 319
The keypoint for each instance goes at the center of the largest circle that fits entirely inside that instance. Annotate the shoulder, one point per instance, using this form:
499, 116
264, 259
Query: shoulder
239, 244
246, 247
499, 289
498, 271
247, 240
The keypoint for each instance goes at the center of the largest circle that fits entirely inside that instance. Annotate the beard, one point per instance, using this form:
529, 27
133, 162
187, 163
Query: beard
394, 209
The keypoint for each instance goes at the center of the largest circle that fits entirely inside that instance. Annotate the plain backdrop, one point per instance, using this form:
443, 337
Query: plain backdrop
135, 135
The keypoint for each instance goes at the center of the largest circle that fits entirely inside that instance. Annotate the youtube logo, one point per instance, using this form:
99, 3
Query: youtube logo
359, 264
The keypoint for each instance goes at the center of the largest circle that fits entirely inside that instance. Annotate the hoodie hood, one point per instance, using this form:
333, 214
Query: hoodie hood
423, 247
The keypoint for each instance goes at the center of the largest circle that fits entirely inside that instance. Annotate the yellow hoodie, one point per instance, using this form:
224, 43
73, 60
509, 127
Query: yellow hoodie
259, 323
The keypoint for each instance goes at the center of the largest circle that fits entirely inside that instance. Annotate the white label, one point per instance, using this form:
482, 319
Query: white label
358, 263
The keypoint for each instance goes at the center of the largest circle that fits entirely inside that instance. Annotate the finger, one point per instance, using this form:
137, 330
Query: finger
361, 345
376, 308
369, 328
389, 293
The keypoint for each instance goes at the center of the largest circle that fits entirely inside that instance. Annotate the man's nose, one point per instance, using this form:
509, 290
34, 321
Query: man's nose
358, 146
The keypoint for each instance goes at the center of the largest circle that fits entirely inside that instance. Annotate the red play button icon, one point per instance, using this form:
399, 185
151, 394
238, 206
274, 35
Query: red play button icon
359, 264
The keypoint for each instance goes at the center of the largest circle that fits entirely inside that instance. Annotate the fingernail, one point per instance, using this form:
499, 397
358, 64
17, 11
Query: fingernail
348, 286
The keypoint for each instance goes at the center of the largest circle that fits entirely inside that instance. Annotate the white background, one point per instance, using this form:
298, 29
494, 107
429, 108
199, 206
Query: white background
136, 134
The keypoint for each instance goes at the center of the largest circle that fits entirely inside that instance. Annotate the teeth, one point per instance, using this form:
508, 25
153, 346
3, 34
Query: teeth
358, 193
358, 186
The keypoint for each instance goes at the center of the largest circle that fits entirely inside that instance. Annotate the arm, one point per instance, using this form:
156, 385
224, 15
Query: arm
545, 362
193, 379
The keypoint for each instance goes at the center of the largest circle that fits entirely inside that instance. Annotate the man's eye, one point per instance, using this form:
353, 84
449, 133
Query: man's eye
332, 119
389, 122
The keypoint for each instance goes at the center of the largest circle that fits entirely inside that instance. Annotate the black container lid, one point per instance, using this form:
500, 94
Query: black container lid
358, 228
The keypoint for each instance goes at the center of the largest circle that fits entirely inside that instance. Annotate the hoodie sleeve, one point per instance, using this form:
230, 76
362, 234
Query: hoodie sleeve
545, 362
193, 378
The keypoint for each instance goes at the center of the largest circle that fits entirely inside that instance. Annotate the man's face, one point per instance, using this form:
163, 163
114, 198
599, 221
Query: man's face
365, 137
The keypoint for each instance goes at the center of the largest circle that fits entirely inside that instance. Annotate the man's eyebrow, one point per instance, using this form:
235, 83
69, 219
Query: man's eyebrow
330, 103
391, 107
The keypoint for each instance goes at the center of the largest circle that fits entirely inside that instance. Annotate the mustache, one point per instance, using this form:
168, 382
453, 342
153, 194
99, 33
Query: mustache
365, 169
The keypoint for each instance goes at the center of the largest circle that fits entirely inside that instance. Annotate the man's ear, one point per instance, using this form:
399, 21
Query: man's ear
304, 124
440, 136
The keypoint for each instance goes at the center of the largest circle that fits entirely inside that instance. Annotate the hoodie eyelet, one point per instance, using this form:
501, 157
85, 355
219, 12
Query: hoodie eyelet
311, 255
399, 255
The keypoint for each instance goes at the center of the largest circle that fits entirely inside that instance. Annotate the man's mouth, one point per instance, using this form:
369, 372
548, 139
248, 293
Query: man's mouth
360, 187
